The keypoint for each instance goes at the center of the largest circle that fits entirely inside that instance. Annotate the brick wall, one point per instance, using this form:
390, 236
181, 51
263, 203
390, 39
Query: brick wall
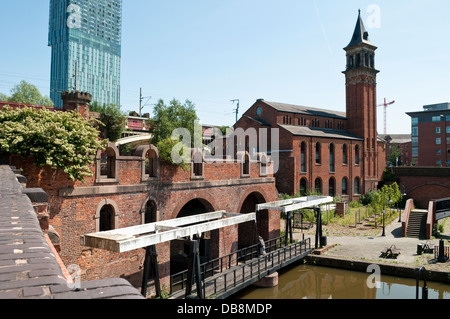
74, 208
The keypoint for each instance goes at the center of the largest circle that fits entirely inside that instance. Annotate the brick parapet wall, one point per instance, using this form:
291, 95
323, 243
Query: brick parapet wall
29, 267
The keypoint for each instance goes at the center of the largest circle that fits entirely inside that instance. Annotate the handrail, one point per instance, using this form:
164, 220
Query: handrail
260, 266
408, 208
218, 265
430, 219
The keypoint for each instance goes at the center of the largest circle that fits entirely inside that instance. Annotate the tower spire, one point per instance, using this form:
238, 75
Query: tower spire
360, 35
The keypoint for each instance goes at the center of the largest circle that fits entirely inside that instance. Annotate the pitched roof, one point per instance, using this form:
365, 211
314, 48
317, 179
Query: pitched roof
306, 110
320, 132
360, 35
397, 138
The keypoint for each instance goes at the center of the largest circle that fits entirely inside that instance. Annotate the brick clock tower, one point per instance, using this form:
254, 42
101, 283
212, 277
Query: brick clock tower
361, 94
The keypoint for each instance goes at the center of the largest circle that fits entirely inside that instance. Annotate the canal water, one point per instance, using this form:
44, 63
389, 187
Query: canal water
315, 282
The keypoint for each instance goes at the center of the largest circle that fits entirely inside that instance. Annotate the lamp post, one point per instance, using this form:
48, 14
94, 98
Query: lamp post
384, 212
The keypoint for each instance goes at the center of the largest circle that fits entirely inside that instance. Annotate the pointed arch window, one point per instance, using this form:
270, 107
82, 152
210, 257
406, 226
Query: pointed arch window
318, 154
357, 155
303, 157
332, 158
345, 154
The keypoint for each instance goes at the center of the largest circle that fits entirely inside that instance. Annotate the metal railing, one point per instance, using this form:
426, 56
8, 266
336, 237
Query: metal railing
178, 281
226, 273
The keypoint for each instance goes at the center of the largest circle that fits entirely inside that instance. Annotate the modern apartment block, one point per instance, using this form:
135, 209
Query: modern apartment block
85, 37
431, 135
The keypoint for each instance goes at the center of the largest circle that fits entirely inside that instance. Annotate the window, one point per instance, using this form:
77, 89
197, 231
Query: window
303, 157
107, 164
415, 121
246, 165
332, 187
332, 158
436, 118
344, 154
303, 186
447, 130
344, 186
150, 212
197, 164
318, 186
438, 130
356, 186
438, 141
107, 218
318, 154
151, 163
415, 131
357, 155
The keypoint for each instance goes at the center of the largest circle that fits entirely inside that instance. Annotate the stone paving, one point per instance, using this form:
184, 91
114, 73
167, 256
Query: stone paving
369, 247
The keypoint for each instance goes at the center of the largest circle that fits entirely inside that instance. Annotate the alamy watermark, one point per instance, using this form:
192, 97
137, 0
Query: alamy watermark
237, 145
74, 18
373, 282
374, 19
74, 281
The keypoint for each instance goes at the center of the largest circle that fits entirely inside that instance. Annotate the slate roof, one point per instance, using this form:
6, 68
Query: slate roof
397, 138
320, 132
297, 109
360, 35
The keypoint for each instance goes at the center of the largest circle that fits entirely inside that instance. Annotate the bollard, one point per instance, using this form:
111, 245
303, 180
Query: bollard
441, 257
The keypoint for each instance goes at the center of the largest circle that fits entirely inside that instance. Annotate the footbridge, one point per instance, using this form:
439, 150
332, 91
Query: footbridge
222, 277
225, 276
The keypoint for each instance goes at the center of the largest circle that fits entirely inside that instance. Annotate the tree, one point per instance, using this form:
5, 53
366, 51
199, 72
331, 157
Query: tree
167, 119
3, 97
395, 153
113, 120
57, 139
28, 93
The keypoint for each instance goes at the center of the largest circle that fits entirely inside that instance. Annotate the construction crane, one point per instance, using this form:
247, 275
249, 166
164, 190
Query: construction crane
385, 106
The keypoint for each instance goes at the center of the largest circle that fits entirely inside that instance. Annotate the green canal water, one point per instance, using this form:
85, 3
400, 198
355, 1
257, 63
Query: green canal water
315, 282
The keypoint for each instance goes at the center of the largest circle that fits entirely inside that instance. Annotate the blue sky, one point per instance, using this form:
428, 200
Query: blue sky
289, 51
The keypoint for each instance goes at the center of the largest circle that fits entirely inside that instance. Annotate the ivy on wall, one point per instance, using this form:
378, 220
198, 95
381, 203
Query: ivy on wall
57, 139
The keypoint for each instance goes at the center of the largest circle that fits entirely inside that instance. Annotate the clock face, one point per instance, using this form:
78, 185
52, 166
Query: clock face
259, 111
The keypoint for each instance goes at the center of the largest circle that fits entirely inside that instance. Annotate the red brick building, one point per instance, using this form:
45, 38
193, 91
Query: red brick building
132, 190
430, 131
324, 151
404, 144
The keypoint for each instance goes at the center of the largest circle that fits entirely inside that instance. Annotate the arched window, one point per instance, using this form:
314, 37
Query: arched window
245, 166
318, 154
197, 164
150, 212
332, 187
344, 154
303, 157
332, 156
345, 186
357, 155
108, 163
107, 169
357, 186
318, 186
303, 186
151, 163
107, 218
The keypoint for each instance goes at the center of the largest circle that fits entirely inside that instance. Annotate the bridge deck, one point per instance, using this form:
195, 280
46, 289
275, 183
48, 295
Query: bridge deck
233, 279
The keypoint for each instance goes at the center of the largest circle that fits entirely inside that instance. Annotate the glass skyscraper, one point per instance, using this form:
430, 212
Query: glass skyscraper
85, 36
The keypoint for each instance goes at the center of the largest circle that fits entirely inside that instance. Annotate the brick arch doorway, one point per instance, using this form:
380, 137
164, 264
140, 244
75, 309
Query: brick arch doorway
178, 249
248, 232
